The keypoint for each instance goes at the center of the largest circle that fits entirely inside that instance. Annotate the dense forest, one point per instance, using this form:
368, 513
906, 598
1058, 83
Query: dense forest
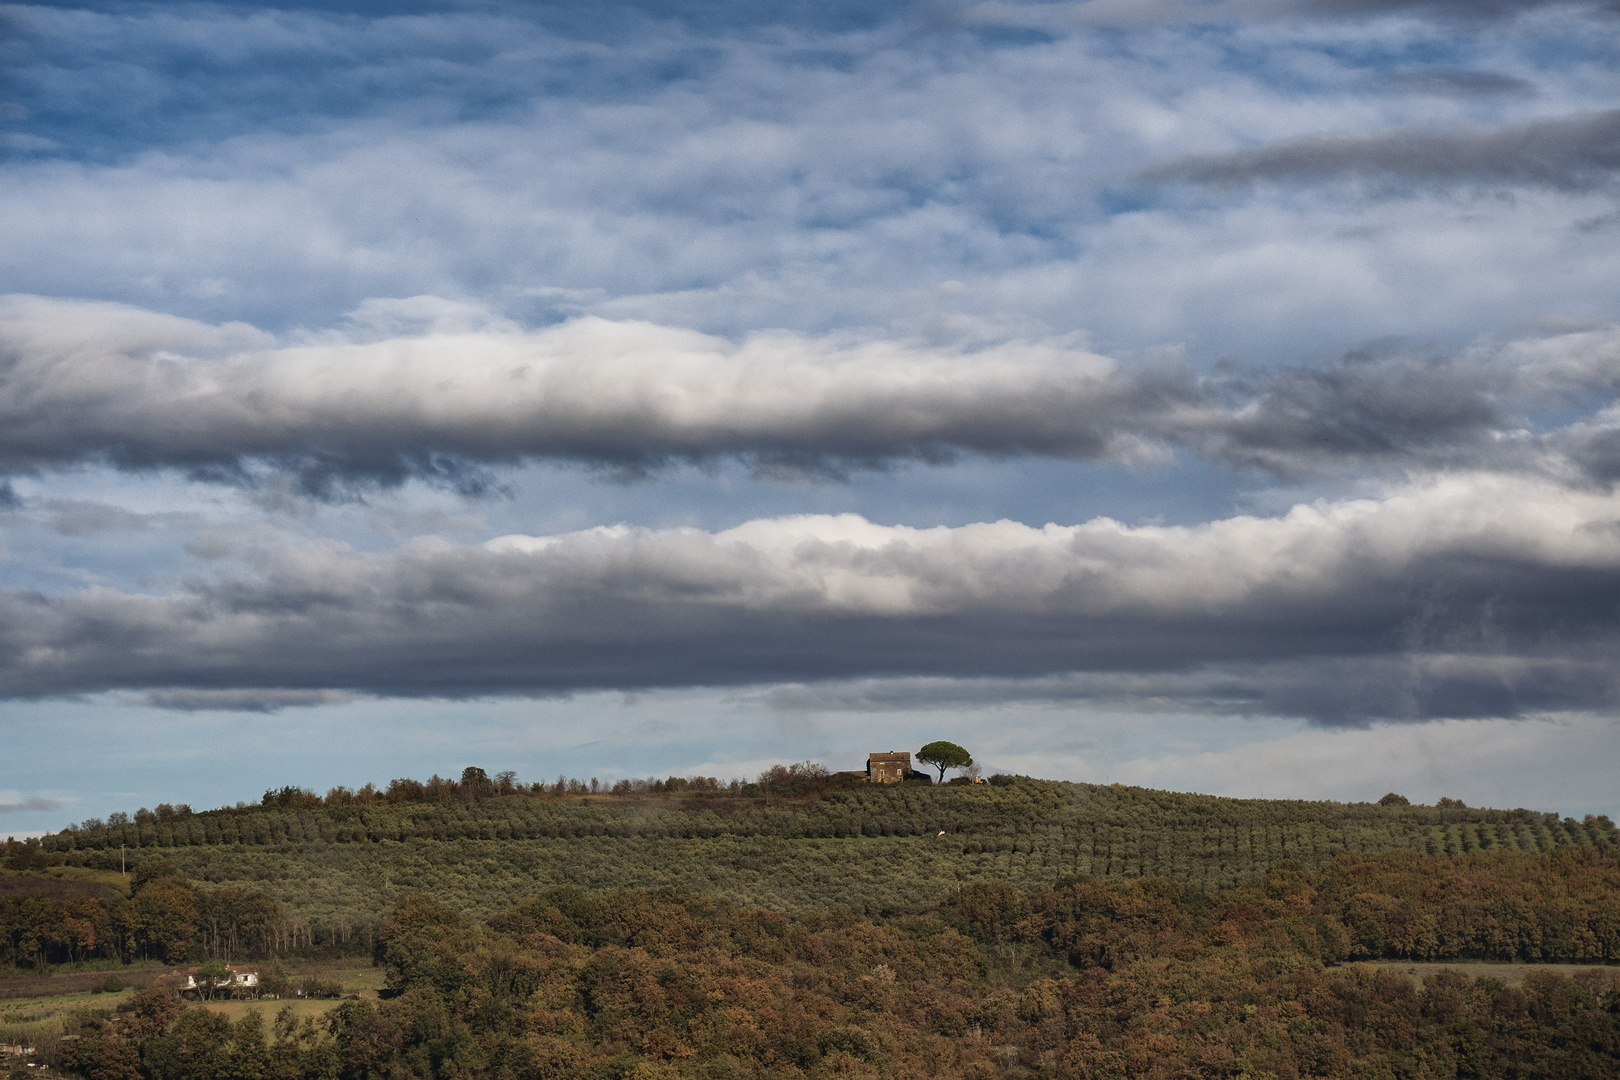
796, 840
1505, 906
163, 917
1077, 978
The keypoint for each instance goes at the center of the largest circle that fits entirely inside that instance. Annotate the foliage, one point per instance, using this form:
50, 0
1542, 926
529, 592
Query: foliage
23, 854
944, 755
164, 918
1564, 906
801, 841
1080, 980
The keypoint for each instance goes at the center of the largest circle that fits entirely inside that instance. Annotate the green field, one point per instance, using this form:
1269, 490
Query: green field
46, 1006
868, 848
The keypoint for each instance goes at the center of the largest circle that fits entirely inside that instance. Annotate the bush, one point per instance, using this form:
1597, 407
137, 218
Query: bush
320, 988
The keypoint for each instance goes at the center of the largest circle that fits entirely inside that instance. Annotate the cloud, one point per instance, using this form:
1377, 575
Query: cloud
24, 143
15, 802
1463, 596
241, 700
79, 517
1336, 690
85, 382
281, 166
443, 392
1401, 408
1129, 14
941, 227
1443, 82
1458, 9
1568, 153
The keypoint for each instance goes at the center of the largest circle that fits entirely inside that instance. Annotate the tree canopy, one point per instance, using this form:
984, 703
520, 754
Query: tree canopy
1080, 980
944, 755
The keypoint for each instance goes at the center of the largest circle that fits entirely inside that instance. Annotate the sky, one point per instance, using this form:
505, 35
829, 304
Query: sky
1214, 395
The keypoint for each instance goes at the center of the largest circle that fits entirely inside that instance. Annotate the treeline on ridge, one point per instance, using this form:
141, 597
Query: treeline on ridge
800, 778
806, 805
1084, 979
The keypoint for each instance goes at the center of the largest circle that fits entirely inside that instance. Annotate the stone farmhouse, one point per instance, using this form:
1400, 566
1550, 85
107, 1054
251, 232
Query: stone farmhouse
888, 768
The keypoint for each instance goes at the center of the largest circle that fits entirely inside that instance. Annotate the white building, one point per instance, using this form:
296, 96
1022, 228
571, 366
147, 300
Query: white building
234, 979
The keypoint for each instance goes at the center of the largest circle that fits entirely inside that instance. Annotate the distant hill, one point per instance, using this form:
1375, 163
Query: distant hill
830, 843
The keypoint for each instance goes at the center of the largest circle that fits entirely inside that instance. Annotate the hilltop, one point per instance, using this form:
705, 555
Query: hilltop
816, 926
802, 842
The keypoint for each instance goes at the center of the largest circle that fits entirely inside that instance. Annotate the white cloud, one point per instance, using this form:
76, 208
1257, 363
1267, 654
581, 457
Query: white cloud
89, 381
808, 178
942, 228
426, 387
1458, 596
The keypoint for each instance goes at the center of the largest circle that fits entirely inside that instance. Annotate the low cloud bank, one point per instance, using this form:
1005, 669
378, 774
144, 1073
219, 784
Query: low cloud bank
99, 382
1467, 596
426, 389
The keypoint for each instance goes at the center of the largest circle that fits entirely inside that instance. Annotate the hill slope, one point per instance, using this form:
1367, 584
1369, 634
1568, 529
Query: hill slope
873, 849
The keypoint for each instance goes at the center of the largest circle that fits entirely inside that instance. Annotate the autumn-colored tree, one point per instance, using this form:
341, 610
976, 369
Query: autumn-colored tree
162, 920
1089, 978
114, 1059
150, 1010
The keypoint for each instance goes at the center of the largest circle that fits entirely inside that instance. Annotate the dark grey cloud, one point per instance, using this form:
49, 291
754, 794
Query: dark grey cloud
1594, 449
1569, 153
449, 402
1336, 691
1401, 409
244, 699
1469, 596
